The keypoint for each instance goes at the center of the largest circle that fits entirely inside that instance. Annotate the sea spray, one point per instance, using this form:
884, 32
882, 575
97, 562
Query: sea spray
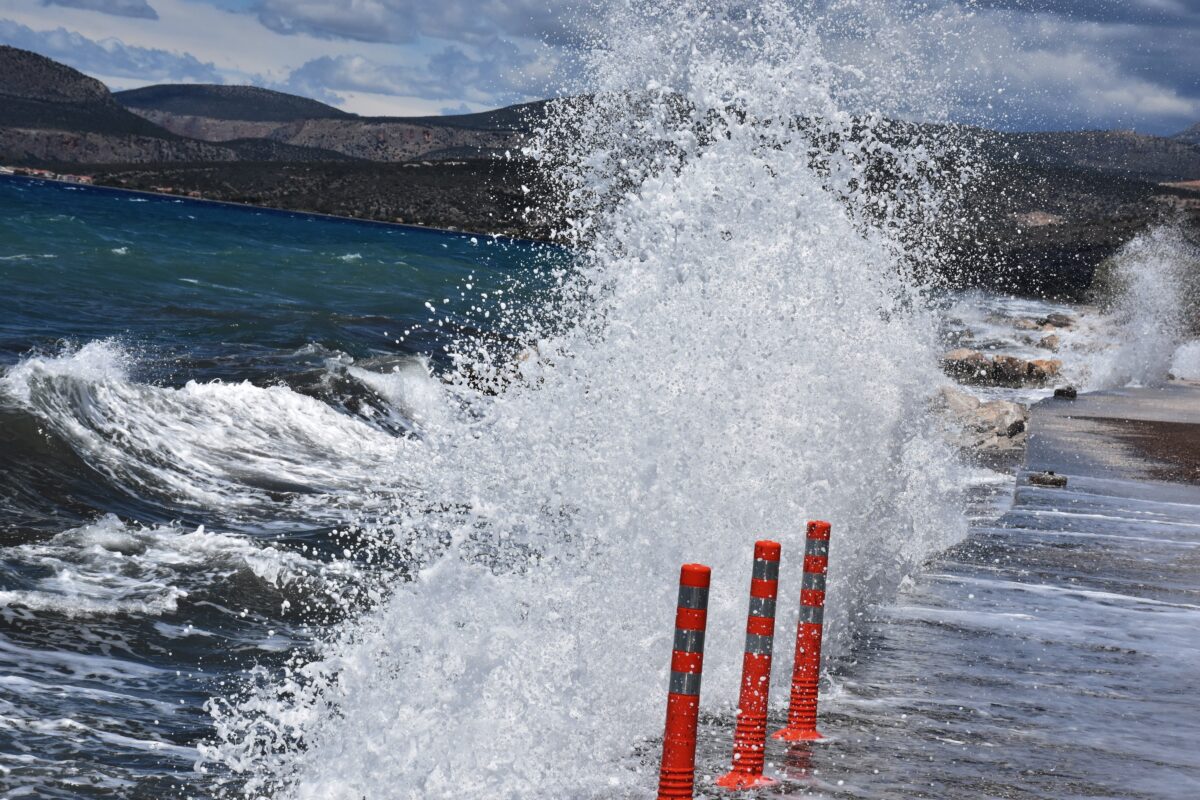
1152, 284
739, 347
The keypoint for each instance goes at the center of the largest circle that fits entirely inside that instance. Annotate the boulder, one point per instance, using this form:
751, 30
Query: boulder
1048, 479
1009, 371
1041, 370
990, 428
958, 403
1027, 325
973, 367
1056, 321
965, 364
1050, 342
1066, 392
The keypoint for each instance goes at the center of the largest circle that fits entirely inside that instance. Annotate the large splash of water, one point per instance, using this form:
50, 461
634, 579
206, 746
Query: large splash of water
740, 347
1152, 293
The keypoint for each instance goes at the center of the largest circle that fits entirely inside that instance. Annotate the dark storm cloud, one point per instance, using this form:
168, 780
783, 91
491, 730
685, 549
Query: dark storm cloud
109, 57
118, 8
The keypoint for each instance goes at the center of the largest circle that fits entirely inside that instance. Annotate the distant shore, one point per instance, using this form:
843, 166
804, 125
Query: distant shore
190, 198
484, 196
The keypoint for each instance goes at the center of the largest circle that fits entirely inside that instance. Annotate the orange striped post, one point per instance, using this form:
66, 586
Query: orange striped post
806, 671
677, 778
750, 735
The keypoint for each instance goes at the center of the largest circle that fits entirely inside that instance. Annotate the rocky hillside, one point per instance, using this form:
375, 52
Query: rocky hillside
51, 114
225, 113
247, 103
1038, 229
485, 196
1136, 155
1190, 136
37, 93
28, 76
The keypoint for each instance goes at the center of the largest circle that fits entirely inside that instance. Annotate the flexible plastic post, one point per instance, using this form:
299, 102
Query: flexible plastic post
750, 734
806, 672
677, 778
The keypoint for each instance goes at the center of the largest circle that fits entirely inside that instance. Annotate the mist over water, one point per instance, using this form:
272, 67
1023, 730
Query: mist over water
739, 347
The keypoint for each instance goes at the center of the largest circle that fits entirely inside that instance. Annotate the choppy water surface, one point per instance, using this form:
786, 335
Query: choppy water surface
174, 487
302, 508
193, 398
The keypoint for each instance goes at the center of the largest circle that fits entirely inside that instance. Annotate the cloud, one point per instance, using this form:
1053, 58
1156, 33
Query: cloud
498, 72
1027, 64
1024, 64
118, 8
1136, 12
1059, 71
109, 57
408, 21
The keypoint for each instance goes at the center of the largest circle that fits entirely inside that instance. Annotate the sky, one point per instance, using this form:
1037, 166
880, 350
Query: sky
1016, 64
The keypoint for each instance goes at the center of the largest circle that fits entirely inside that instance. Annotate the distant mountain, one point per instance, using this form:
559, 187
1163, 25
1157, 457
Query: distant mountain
38, 93
52, 114
1135, 155
247, 103
1190, 136
222, 114
522, 117
28, 76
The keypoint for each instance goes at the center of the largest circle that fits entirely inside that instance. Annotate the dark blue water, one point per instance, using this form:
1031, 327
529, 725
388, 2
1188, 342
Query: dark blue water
195, 403
203, 415
225, 288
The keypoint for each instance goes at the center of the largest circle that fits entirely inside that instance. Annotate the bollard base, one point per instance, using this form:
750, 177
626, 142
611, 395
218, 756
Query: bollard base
798, 735
738, 781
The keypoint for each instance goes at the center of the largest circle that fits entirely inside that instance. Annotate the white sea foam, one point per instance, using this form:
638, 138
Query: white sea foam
221, 446
747, 352
411, 390
108, 567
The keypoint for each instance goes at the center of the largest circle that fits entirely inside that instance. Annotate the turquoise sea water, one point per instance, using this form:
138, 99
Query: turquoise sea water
193, 397
195, 279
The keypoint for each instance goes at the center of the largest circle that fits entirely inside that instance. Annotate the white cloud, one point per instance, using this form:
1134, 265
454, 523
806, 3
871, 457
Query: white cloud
118, 8
406, 21
110, 57
1015, 63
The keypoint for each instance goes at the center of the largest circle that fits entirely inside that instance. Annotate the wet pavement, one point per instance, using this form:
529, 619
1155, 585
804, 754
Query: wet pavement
1053, 654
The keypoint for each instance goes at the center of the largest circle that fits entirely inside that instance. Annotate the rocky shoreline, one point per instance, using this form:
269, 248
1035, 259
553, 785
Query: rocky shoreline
995, 431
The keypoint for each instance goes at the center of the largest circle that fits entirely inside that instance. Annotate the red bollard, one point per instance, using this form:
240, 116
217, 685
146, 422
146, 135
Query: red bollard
677, 778
806, 672
750, 735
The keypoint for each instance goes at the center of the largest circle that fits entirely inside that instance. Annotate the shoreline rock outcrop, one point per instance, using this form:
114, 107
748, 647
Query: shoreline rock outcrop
996, 427
973, 367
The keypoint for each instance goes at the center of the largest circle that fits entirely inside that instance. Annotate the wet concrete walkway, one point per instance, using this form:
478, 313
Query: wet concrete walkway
1056, 652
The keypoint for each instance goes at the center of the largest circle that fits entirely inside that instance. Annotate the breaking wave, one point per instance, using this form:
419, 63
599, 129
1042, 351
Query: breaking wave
741, 345
237, 448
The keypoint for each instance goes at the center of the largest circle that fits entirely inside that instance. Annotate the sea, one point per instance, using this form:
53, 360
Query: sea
300, 507
193, 396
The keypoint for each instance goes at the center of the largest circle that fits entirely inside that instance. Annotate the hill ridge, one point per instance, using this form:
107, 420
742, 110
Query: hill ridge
227, 101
